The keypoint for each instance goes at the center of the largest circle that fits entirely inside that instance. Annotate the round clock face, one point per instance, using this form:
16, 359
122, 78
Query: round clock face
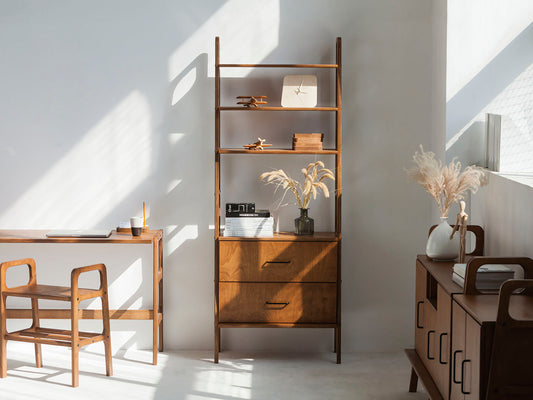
299, 91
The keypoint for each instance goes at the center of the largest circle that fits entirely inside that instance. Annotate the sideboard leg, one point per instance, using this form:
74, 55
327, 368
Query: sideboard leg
414, 381
338, 343
217, 344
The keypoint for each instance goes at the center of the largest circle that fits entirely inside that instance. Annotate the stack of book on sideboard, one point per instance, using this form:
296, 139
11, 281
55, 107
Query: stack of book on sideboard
307, 141
243, 220
489, 277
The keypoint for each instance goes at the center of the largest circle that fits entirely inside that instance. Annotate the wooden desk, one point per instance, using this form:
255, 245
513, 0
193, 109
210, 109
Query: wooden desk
155, 238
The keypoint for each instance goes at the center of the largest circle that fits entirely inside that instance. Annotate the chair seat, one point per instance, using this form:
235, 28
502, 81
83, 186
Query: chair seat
49, 292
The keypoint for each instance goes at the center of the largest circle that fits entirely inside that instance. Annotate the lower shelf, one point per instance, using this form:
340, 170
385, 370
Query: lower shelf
56, 337
273, 325
423, 375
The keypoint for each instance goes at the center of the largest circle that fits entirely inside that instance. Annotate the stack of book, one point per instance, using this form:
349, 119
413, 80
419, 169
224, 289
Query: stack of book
243, 220
307, 141
489, 277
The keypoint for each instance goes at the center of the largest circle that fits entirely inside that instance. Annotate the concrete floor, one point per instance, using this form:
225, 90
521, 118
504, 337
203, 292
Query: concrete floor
192, 375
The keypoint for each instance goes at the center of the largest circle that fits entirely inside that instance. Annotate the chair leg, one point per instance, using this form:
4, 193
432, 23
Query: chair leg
35, 315
107, 334
3, 341
75, 340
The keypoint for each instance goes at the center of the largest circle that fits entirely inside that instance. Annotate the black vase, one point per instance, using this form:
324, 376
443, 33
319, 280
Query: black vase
303, 225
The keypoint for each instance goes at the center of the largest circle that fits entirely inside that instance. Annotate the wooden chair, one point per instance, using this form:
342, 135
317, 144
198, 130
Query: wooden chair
511, 369
58, 337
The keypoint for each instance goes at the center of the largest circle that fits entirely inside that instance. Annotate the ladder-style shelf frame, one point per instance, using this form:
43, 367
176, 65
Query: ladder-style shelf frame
285, 236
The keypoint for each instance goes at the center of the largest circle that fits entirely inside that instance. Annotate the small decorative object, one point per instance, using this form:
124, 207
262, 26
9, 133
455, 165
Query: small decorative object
303, 225
251, 101
299, 91
257, 145
314, 176
461, 222
447, 185
307, 141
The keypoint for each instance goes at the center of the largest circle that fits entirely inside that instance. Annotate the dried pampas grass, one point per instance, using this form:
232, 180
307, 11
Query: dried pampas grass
314, 176
447, 184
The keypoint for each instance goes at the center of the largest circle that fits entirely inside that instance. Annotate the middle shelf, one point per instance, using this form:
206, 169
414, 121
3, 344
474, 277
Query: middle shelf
276, 151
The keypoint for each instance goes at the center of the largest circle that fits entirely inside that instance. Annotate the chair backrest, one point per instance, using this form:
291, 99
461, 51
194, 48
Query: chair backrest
32, 271
511, 366
475, 263
479, 234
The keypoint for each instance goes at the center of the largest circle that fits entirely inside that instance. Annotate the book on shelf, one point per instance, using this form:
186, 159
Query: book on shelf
249, 226
241, 214
488, 285
319, 136
487, 272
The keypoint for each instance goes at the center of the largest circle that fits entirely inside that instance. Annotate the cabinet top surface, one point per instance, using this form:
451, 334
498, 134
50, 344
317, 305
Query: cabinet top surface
484, 307
442, 271
289, 237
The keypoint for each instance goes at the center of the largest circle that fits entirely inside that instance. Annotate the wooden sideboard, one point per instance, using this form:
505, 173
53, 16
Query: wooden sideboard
455, 329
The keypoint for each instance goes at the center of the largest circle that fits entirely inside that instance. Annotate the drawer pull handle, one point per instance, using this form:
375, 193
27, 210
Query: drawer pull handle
463, 377
428, 345
275, 262
418, 325
454, 365
271, 303
440, 348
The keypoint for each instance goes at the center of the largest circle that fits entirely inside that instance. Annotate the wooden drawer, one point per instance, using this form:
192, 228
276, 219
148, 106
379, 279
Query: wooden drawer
278, 261
296, 302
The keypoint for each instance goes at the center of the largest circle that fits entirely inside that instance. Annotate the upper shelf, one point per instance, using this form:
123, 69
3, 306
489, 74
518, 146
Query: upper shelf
279, 108
278, 65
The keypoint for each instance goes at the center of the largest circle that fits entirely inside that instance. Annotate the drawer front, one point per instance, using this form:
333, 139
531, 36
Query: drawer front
278, 261
277, 302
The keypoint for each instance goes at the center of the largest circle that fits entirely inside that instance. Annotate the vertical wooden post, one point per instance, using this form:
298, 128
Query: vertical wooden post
74, 315
35, 317
3, 330
105, 322
338, 190
217, 191
155, 289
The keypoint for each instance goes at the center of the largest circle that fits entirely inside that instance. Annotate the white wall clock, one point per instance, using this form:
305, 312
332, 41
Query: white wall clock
299, 91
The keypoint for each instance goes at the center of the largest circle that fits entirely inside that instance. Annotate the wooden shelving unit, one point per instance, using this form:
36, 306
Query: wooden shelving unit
308, 294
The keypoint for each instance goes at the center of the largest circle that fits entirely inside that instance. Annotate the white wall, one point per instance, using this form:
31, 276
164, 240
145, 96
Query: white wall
107, 104
503, 208
490, 70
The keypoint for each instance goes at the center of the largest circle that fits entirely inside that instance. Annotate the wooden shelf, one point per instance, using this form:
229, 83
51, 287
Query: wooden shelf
278, 65
289, 236
240, 300
276, 151
273, 325
278, 108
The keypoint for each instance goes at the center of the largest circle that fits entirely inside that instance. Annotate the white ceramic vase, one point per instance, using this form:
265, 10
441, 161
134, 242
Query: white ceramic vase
439, 245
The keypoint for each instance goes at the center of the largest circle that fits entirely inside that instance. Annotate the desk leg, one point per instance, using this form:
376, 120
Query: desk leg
161, 294
155, 245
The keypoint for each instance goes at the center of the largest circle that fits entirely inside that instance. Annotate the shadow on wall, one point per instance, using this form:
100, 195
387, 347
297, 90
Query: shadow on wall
498, 74
470, 145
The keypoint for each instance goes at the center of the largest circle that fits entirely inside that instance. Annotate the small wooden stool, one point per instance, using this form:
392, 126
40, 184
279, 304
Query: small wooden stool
58, 337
